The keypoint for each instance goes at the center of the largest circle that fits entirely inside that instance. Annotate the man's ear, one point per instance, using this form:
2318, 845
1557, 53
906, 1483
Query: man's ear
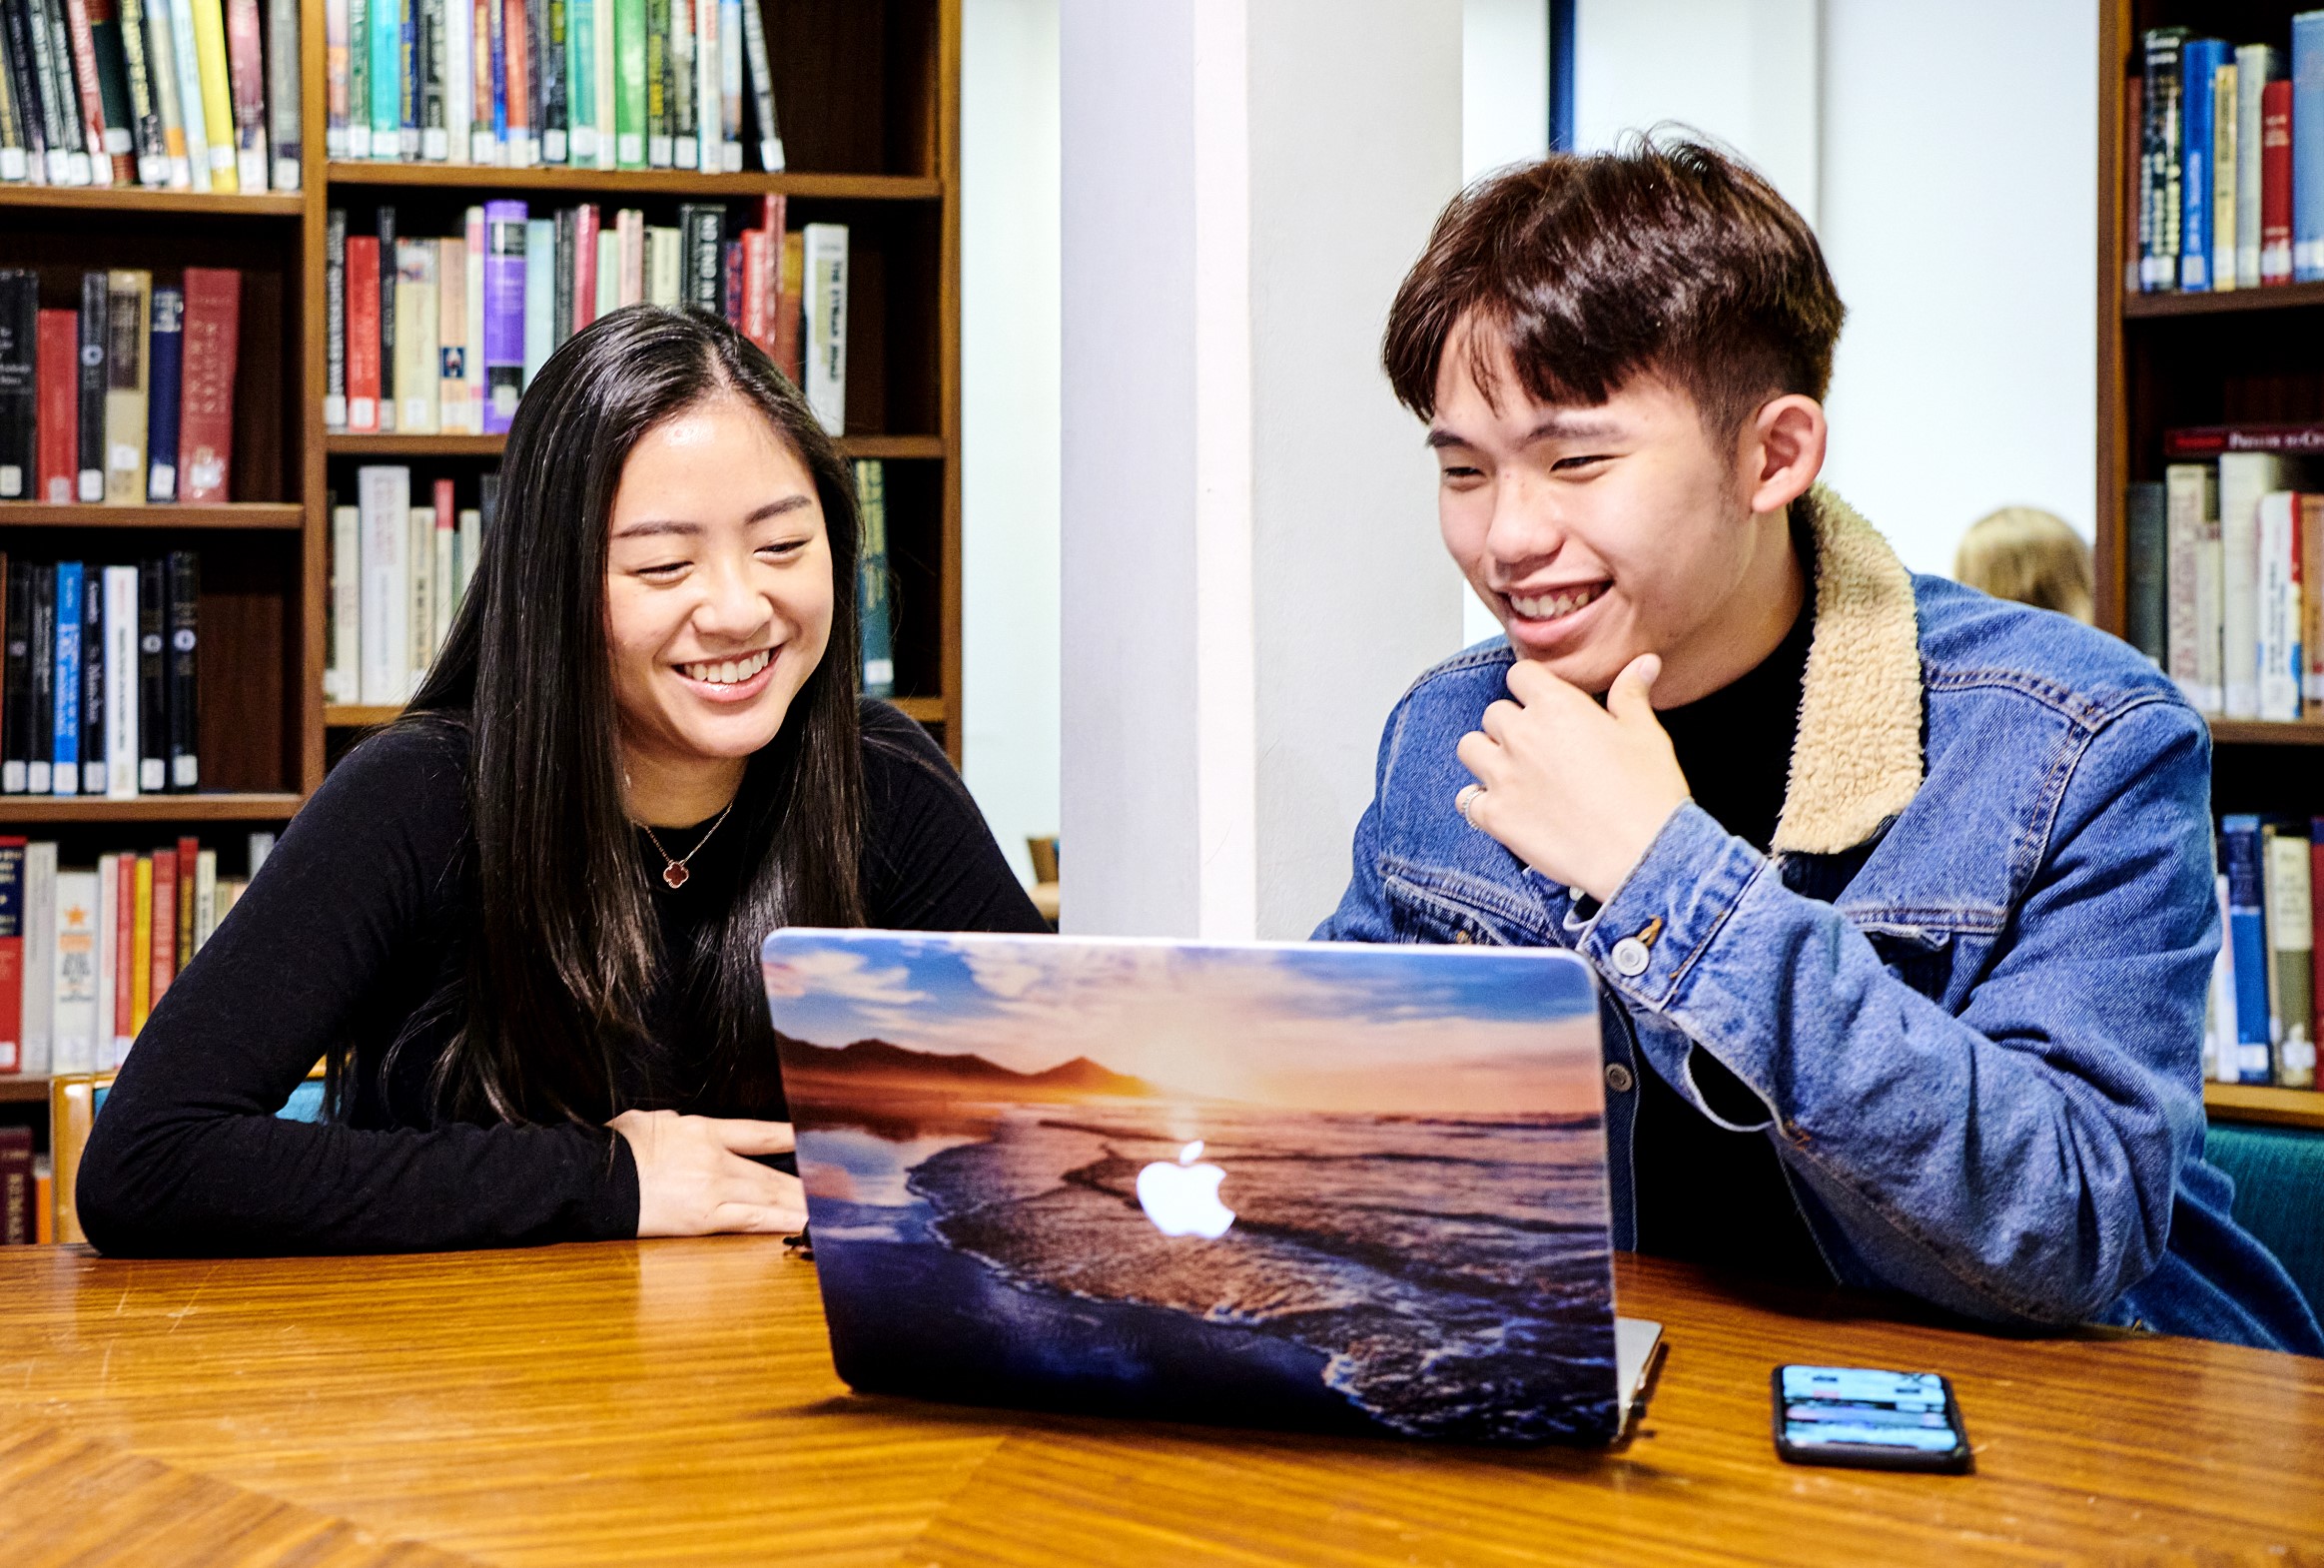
1782, 452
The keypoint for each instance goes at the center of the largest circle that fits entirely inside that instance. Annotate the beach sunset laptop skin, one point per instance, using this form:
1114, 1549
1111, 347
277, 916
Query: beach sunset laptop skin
1277, 1184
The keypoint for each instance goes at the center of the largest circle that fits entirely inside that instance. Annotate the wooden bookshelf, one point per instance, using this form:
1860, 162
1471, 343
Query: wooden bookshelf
135, 200
2172, 359
21, 1089
240, 514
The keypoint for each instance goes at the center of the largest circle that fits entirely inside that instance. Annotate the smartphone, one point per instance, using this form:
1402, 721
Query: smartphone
1862, 1416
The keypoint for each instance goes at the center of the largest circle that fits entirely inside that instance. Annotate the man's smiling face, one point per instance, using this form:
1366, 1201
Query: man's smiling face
1595, 534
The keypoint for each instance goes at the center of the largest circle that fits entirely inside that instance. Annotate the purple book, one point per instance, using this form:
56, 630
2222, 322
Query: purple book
503, 312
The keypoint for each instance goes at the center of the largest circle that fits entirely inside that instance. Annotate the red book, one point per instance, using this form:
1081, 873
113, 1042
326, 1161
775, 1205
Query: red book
448, 519
125, 954
59, 414
11, 954
584, 264
758, 316
362, 334
519, 92
213, 329
246, 73
84, 44
2275, 183
165, 953
189, 850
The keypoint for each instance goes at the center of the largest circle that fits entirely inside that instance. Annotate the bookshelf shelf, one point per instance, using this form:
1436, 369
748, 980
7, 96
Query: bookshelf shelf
925, 710
2281, 296
136, 199
349, 715
2260, 732
642, 181
239, 514
2301, 1108
437, 445
23, 1089
222, 806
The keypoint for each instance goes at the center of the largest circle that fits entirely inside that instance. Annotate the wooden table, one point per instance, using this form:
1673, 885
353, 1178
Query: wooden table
673, 1401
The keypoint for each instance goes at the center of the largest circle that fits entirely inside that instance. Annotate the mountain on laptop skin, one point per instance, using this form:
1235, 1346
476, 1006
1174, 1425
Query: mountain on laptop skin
1280, 1185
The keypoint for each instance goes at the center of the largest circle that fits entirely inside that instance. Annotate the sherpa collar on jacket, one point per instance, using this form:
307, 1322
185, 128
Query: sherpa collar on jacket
1856, 761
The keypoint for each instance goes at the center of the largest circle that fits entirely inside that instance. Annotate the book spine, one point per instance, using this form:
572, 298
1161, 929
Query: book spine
113, 100
2243, 479
193, 102
540, 261
703, 227
53, 55
435, 82
358, 79
503, 312
110, 1011
16, 681
584, 266
791, 308
629, 109
409, 67
731, 284
342, 678
127, 327
12, 954
419, 612
383, 224
826, 265
418, 372
708, 101
32, 116
442, 568
363, 332
280, 101
2254, 69
470, 549
730, 85
603, 93
334, 319
549, 69
91, 382
247, 83
78, 58
166, 397
65, 750
19, 384
2276, 607
153, 154
2275, 184
2308, 146
335, 78
217, 93
73, 974
2159, 200
2247, 931
472, 339
161, 54
41, 640
678, 85
454, 409
212, 342
153, 689
57, 373
124, 633
460, 80
206, 907
189, 859
495, 78
161, 929
384, 640
386, 77
630, 232
581, 81
12, 159
40, 956
762, 88
140, 957
2198, 59
18, 1226
758, 312
561, 323
657, 81
2292, 951
523, 146
93, 716
875, 603
2224, 120
184, 612
2311, 543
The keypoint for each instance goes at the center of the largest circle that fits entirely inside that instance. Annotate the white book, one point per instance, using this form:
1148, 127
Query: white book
825, 248
38, 1028
199, 142
121, 693
665, 274
442, 582
260, 846
2255, 65
2279, 606
205, 896
451, 329
384, 494
2244, 477
609, 271
73, 982
471, 545
343, 673
421, 548
103, 1050
459, 81
2224, 126
709, 93
419, 367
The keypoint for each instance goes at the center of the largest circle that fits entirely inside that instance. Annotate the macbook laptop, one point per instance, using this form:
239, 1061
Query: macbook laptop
1283, 1184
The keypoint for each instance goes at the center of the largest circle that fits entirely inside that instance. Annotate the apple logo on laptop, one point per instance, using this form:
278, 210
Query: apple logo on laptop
1183, 1198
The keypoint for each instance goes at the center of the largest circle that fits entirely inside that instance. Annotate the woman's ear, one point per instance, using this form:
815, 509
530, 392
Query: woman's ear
1782, 452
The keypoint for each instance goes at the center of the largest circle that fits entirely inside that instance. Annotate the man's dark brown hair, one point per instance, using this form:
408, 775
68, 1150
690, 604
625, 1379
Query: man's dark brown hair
1667, 258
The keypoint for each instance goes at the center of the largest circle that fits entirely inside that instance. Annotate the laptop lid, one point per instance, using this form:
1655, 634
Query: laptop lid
1313, 1185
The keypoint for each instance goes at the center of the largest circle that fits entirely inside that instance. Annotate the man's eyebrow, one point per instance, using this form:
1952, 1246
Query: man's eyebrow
648, 528
1558, 426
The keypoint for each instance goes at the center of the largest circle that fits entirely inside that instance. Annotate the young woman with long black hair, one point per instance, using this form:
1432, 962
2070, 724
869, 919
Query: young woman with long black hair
521, 924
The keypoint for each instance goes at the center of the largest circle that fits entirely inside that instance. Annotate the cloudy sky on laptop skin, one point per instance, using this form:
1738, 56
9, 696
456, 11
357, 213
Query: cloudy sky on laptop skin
1289, 1185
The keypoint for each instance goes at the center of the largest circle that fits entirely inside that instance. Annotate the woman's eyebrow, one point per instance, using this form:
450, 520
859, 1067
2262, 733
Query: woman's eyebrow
649, 527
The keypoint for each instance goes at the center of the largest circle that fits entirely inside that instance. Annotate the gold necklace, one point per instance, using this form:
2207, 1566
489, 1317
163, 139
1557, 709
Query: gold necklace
674, 872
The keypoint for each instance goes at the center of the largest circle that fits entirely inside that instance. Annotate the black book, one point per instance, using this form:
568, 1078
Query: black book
561, 314
39, 698
549, 73
702, 233
386, 319
16, 680
435, 143
19, 383
153, 703
51, 58
92, 405
93, 781
185, 591
15, 33
488, 500
334, 319
113, 88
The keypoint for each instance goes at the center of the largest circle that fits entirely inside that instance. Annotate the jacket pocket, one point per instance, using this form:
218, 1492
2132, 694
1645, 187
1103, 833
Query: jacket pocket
1439, 906
1919, 955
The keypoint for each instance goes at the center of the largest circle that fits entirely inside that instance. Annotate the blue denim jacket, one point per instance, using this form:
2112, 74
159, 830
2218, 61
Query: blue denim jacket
1968, 984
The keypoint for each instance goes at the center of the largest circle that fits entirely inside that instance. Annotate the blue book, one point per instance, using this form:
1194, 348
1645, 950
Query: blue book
2247, 943
387, 82
2308, 146
540, 292
165, 373
875, 609
2199, 60
65, 777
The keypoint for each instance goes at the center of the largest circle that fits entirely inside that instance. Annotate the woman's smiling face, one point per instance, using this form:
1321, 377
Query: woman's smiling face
718, 591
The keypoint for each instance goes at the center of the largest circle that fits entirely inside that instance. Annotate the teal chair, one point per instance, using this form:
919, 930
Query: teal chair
2279, 1195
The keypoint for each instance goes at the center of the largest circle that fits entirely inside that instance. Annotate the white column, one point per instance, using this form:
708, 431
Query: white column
1251, 567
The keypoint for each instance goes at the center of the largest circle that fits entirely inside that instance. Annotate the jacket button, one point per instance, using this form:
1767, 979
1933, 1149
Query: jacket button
1630, 957
1463, 938
1618, 1077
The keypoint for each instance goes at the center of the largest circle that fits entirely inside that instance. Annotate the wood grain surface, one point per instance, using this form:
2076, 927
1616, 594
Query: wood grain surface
674, 1402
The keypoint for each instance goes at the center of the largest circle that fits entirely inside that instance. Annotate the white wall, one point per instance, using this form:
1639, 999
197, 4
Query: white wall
1009, 416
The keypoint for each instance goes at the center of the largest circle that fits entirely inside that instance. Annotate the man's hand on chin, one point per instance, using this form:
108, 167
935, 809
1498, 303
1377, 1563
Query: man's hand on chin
1575, 791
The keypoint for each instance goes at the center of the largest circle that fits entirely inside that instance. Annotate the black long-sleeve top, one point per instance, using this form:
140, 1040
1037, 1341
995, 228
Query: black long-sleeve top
348, 930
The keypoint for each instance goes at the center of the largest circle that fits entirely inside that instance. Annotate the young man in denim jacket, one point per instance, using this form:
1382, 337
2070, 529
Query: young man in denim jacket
1900, 898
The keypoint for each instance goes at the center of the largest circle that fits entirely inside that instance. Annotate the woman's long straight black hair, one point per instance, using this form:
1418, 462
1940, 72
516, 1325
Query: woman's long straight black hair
558, 968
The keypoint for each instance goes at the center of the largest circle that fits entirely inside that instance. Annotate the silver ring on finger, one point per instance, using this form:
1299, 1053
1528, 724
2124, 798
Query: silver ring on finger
1465, 800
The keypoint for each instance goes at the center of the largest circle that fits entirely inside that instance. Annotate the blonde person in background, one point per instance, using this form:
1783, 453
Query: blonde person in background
2028, 555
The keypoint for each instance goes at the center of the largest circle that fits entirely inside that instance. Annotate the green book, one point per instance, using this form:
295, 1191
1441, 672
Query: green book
358, 79
629, 83
581, 79
657, 83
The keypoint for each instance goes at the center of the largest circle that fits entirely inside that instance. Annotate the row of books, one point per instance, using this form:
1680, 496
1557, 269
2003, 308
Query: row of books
605, 84
25, 1191
444, 335
2223, 589
99, 693
170, 94
129, 399
397, 572
2261, 1025
2230, 167
85, 954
